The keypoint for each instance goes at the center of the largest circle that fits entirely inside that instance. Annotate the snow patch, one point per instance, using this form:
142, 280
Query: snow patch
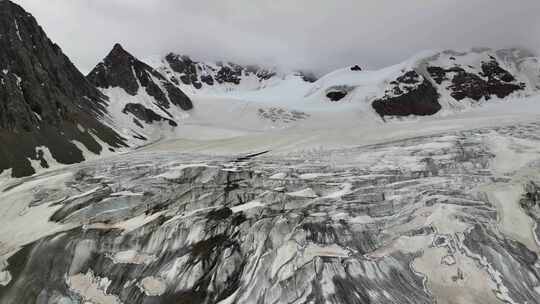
247, 206
5, 276
92, 288
152, 286
17, 29
307, 193
126, 193
279, 176
132, 257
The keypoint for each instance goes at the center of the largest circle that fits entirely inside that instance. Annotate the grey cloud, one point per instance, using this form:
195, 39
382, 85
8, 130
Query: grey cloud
302, 34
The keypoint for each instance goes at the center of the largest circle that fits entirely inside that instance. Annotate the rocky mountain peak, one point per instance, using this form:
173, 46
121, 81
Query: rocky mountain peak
117, 70
183, 70
118, 55
121, 69
10, 10
119, 48
44, 100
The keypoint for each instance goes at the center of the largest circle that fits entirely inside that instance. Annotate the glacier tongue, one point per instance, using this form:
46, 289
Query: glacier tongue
421, 220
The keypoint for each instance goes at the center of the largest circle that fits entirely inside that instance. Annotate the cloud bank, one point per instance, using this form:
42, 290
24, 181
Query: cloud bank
317, 35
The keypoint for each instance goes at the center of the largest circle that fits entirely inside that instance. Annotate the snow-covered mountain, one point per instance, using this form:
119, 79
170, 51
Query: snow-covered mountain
423, 85
230, 100
429, 83
221, 77
143, 104
432, 82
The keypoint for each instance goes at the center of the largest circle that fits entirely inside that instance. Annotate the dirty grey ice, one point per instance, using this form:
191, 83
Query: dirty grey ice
437, 219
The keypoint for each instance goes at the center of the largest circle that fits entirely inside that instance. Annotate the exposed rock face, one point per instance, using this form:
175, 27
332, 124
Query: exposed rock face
491, 80
230, 74
145, 114
192, 73
188, 70
410, 94
460, 78
476, 75
336, 95
44, 100
145, 104
307, 76
121, 69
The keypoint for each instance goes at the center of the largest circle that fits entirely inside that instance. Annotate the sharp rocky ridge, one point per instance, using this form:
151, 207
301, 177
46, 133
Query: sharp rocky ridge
142, 101
222, 76
48, 110
121, 69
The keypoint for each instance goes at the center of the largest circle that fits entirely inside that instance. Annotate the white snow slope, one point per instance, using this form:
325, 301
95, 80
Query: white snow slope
289, 114
286, 114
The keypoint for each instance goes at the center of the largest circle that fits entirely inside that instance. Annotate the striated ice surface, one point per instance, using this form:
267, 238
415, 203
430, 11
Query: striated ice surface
449, 218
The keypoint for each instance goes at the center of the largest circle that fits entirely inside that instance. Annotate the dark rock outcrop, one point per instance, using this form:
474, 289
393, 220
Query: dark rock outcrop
356, 68
308, 76
468, 85
410, 77
207, 79
439, 74
491, 80
336, 95
187, 67
262, 74
146, 115
44, 100
121, 69
493, 71
195, 74
230, 74
411, 94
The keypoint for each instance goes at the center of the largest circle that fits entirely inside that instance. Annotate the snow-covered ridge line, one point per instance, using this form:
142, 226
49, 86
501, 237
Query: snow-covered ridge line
221, 77
452, 80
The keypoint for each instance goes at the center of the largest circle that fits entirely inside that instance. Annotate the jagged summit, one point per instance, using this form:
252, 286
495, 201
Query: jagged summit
119, 51
119, 48
116, 69
122, 69
119, 55
48, 108
144, 103
195, 73
201, 77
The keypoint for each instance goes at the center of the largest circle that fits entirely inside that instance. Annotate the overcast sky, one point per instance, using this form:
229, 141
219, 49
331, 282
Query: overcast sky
318, 35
